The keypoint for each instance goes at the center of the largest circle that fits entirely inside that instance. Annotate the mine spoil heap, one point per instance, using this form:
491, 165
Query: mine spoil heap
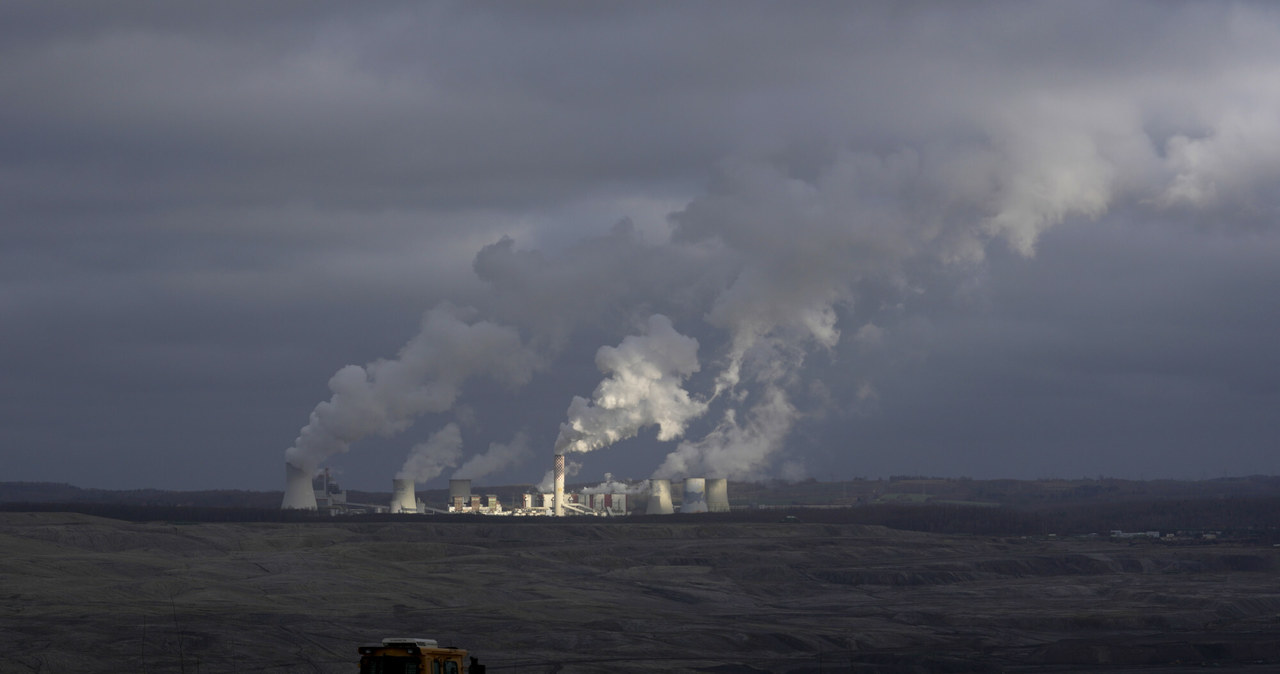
95, 595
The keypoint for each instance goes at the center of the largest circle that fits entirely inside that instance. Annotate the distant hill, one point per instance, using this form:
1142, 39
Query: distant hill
58, 492
898, 490
1247, 506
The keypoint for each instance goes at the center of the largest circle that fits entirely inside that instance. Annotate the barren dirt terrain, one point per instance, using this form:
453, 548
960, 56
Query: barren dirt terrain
84, 594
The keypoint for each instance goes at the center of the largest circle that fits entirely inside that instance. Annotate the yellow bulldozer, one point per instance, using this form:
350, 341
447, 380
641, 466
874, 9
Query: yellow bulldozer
397, 655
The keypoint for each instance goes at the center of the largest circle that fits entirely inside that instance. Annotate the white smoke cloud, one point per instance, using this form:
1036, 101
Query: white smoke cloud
779, 251
807, 247
386, 396
1224, 166
643, 388
737, 451
612, 486
804, 246
803, 249
498, 457
1037, 194
429, 459
548, 482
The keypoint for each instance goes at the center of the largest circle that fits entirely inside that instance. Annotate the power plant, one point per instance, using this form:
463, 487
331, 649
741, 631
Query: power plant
558, 470
695, 495
645, 373
660, 498
303, 491
403, 498
298, 492
459, 495
717, 495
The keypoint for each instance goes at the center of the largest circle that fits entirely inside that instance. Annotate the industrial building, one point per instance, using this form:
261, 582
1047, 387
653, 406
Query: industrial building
322, 494
693, 494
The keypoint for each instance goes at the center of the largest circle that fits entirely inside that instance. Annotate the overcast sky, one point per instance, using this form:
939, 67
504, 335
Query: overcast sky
731, 239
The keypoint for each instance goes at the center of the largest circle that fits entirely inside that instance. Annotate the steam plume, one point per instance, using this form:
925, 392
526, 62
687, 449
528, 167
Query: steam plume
778, 256
547, 483
427, 460
643, 387
498, 457
612, 486
386, 396
736, 450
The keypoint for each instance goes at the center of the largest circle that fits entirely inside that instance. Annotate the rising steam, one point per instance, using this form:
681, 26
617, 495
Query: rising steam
386, 396
429, 459
548, 481
769, 265
734, 450
643, 387
612, 486
498, 457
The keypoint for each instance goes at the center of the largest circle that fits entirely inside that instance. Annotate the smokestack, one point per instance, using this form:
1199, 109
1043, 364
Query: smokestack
559, 473
717, 495
659, 498
695, 495
298, 494
460, 488
403, 498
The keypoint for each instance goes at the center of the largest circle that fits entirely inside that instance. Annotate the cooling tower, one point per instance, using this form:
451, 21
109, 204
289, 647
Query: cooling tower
659, 498
559, 473
298, 494
717, 495
695, 495
403, 498
459, 488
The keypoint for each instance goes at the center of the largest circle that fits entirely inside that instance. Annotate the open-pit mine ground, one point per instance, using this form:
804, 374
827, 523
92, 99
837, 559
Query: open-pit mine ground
86, 594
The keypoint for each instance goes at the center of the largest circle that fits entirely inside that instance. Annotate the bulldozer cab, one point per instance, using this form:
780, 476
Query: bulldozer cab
412, 656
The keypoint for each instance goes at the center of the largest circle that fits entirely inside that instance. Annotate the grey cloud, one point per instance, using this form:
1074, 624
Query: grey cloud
643, 386
428, 459
218, 201
496, 458
386, 396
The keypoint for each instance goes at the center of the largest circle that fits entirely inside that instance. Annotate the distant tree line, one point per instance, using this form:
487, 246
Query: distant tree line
56, 492
133, 512
1253, 518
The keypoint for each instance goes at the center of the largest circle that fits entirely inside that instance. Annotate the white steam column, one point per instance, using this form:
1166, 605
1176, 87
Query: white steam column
298, 494
559, 488
659, 498
695, 495
403, 498
717, 495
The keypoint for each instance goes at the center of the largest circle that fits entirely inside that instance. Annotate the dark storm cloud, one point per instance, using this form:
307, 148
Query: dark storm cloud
1118, 350
989, 238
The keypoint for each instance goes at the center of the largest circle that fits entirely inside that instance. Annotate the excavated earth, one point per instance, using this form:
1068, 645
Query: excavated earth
85, 594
